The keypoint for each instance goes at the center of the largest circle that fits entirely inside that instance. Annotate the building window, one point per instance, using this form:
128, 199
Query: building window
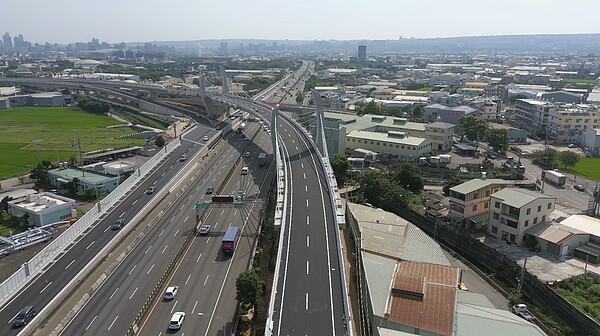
496, 215
535, 220
528, 211
487, 193
474, 207
497, 205
543, 218
549, 205
486, 205
527, 222
539, 208
494, 229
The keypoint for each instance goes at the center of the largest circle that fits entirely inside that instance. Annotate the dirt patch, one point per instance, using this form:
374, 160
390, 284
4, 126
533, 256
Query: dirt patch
12, 262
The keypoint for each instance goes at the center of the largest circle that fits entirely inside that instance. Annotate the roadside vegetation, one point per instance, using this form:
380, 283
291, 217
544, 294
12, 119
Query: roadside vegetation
588, 167
583, 291
52, 134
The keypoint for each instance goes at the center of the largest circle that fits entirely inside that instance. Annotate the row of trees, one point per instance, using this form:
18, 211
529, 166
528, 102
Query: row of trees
414, 114
477, 129
550, 158
92, 105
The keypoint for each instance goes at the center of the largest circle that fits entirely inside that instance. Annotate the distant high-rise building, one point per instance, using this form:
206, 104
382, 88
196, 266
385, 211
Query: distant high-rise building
362, 53
7, 41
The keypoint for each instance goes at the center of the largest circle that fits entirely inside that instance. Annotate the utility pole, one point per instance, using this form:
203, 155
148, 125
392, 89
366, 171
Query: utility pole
80, 153
520, 285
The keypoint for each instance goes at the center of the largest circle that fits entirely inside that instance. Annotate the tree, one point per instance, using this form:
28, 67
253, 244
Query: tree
160, 141
196, 81
340, 166
40, 175
408, 177
544, 158
452, 182
4, 204
300, 97
473, 127
497, 138
568, 158
249, 287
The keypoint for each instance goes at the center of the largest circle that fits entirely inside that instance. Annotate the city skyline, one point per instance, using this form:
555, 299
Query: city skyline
307, 20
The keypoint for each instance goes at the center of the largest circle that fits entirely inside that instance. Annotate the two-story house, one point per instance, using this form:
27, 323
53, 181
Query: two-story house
515, 210
470, 201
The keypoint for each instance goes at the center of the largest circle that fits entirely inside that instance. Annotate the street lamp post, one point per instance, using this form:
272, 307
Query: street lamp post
215, 316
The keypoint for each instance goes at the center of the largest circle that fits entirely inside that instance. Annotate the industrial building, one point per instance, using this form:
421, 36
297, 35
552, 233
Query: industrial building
86, 180
35, 99
43, 209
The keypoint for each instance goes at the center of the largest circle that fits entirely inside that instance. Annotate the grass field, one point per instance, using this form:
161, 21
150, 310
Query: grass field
589, 167
579, 80
24, 130
426, 89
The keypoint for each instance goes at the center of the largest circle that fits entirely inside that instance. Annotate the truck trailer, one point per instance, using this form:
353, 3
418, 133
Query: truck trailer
262, 159
555, 177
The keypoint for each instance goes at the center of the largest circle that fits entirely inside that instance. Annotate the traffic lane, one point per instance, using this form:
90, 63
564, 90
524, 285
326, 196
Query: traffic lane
207, 274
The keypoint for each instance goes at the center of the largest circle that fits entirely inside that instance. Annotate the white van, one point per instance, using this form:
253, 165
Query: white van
244, 170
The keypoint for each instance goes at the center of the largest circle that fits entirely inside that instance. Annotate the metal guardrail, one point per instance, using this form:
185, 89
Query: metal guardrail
54, 248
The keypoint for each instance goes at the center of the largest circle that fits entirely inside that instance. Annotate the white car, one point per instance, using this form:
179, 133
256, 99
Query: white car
205, 138
248, 154
171, 292
176, 321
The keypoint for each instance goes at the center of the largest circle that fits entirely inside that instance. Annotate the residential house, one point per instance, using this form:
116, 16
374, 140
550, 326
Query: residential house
566, 123
534, 113
515, 210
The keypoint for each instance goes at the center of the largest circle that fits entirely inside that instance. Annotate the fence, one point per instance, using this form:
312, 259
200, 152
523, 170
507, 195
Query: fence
45, 256
506, 270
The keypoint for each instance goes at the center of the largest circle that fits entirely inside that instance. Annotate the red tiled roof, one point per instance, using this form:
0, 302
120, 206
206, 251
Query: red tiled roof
424, 296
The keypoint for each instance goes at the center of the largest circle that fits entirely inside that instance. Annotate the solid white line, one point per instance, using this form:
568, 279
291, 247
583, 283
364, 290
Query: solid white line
161, 232
176, 232
122, 214
163, 251
132, 294
71, 263
48, 285
307, 241
148, 250
307, 302
134, 202
89, 325
206, 280
186, 218
151, 267
188, 279
113, 322
113, 294
194, 308
92, 243
199, 257
134, 266
307, 268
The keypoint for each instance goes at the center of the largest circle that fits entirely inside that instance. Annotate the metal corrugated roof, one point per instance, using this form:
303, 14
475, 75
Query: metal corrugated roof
379, 272
474, 320
476, 184
519, 197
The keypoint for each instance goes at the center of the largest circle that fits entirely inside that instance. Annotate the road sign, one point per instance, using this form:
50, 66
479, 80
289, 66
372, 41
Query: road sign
201, 205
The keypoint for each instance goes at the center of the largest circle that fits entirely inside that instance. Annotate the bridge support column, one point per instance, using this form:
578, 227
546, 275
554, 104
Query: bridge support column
319, 114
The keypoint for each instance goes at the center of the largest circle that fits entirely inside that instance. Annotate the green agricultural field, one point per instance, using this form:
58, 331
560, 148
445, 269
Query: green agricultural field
25, 130
579, 81
589, 167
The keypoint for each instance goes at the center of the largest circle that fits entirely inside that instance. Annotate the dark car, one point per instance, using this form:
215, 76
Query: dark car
150, 191
210, 190
118, 224
491, 156
24, 316
579, 187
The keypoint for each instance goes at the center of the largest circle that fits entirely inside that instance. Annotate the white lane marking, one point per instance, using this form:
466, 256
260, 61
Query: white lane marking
206, 279
132, 204
197, 260
171, 166
122, 214
151, 267
194, 308
92, 243
113, 322
71, 263
148, 250
175, 304
302, 164
235, 213
188, 279
189, 198
182, 206
163, 174
307, 220
217, 223
132, 294
307, 241
307, 202
176, 232
222, 212
306, 188
89, 325
154, 182
108, 228
304, 176
163, 251
48, 285
113, 294
134, 266
208, 240
297, 148
186, 218
307, 268
172, 219
198, 187
306, 301
161, 232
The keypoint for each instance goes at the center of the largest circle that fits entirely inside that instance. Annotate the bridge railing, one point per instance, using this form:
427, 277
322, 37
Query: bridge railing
55, 247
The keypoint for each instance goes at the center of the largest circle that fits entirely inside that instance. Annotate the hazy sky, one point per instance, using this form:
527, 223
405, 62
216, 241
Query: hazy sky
113, 21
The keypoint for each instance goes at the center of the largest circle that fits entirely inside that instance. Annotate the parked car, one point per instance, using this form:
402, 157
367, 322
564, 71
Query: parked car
119, 223
171, 292
572, 146
204, 230
176, 320
490, 156
521, 310
579, 187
